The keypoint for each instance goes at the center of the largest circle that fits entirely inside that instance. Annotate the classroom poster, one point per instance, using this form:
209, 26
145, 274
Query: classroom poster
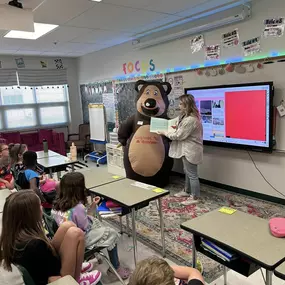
20, 62
230, 39
251, 46
212, 52
109, 103
197, 43
274, 27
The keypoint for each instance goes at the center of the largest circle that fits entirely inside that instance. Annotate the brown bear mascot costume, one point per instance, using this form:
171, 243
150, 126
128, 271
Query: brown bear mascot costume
146, 154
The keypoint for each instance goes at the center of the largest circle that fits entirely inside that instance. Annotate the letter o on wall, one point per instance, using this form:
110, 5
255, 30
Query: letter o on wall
130, 67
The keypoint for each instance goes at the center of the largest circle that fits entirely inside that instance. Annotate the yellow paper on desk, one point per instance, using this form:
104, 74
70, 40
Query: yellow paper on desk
116, 177
227, 210
158, 190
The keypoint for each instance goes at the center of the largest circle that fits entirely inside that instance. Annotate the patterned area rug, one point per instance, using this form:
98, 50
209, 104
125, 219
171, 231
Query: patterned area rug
179, 242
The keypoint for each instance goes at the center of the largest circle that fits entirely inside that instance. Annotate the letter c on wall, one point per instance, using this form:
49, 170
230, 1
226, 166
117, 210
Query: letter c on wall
137, 66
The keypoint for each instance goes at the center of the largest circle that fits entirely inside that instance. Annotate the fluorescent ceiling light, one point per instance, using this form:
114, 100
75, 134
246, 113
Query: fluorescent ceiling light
40, 30
96, 0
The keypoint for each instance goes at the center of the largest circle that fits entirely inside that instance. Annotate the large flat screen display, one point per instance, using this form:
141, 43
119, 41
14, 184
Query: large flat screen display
238, 116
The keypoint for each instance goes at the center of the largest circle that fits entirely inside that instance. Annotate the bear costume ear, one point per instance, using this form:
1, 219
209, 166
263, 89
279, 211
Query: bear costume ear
167, 87
139, 85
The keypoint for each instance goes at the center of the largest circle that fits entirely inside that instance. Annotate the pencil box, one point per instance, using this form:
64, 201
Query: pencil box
277, 227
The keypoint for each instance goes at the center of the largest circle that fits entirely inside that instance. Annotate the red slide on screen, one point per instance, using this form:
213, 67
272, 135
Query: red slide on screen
245, 113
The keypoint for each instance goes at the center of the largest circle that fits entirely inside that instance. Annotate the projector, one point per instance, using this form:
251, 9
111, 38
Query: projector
15, 3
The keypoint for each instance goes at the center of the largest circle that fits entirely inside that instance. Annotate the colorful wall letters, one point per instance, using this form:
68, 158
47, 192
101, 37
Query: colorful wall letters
138, 66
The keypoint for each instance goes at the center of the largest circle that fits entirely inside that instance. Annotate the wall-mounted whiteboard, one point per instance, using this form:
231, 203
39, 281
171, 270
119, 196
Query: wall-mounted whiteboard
97, 119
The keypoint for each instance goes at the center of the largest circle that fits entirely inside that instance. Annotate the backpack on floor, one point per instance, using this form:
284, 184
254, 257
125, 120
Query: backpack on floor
277, 227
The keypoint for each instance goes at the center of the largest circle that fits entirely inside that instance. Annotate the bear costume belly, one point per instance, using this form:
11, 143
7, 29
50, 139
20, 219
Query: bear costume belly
146, 152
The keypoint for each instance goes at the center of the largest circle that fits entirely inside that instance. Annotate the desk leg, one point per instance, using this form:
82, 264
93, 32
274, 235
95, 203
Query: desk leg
161, 227
225, 275
50, 173
72, 167
134, 234
121, 225
128, 225
268, 277
58, 175
194, 253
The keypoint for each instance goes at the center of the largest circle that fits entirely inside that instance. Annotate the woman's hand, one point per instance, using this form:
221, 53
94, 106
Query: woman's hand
162, 133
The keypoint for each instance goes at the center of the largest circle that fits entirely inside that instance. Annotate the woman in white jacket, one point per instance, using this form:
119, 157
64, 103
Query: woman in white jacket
187, 143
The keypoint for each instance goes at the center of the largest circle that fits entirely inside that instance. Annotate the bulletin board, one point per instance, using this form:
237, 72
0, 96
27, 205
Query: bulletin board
99, 93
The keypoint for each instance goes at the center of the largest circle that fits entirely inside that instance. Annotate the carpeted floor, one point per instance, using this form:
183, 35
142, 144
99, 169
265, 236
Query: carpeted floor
179, 242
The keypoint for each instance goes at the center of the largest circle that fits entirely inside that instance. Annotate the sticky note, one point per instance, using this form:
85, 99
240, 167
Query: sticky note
116, 177
227, 210
158, 190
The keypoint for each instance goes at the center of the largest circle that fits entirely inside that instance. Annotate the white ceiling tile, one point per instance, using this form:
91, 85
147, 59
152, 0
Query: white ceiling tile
101, 36
172, 7
116, 18
130, 3
60, 11
65, 34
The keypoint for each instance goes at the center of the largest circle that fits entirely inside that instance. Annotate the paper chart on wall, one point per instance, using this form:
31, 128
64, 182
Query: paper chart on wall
109, 103
251, 46
176, 82
197, 43
274, 27
212, 52
230, 39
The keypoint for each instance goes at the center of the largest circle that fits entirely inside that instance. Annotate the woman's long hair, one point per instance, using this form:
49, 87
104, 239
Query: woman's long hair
191, 109
21, 223
72, 192
15, 150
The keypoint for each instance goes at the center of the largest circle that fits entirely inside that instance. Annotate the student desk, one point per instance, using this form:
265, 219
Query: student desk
50, 153
98, 176
133, 196
56, 163
4, 193
66, 280
280, 271
246, 235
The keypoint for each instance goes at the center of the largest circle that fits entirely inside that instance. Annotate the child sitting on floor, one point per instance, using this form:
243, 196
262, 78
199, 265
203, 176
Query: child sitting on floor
29, 178
156, 271
6, 177
70, 206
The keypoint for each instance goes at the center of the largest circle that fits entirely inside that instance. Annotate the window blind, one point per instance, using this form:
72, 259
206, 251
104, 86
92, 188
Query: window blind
8, 77
36, 77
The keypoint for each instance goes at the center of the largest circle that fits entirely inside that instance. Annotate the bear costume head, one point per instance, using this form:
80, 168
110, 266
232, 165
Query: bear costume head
152, 100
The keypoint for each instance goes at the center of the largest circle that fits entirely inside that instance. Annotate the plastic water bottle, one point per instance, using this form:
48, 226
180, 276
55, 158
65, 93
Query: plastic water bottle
45, 144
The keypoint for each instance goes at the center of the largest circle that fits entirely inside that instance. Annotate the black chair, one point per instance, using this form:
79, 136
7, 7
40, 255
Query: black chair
89, 253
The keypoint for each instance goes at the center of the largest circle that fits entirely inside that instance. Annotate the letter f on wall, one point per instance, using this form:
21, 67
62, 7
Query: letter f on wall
125, 68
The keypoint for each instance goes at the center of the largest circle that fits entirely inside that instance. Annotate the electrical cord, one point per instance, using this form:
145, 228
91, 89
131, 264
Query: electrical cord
256, 167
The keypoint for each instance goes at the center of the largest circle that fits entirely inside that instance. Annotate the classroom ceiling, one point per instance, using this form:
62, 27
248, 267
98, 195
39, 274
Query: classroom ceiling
86, 26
